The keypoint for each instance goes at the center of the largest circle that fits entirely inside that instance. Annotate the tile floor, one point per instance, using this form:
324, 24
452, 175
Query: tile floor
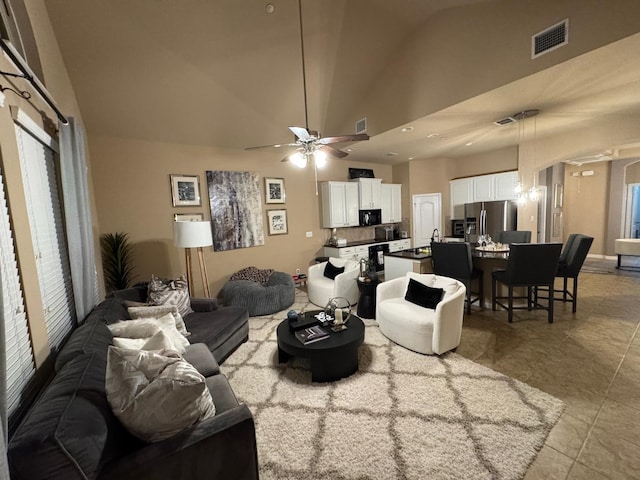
590, 360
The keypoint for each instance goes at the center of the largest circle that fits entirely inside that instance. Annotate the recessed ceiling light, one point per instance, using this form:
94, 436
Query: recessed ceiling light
433, 135
392, 154
349, 149
270, 8
468, 144
410, 158
407, 129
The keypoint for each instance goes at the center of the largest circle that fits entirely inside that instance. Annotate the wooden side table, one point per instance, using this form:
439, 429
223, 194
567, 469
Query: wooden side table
367, 300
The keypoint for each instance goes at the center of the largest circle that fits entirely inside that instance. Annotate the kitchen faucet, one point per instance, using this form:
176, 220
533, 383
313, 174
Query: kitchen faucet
435, 235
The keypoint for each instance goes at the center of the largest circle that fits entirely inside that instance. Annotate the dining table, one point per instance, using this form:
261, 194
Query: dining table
488, 259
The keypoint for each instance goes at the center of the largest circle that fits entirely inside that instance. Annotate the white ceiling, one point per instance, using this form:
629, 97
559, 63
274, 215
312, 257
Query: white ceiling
225, 73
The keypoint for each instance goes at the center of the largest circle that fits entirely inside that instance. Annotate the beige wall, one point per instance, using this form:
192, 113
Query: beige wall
133, 195
586, 203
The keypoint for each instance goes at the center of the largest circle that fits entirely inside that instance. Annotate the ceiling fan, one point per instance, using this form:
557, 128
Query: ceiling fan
309, 144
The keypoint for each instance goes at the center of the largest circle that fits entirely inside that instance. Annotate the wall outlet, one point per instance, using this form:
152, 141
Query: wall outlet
297, 271
309, 234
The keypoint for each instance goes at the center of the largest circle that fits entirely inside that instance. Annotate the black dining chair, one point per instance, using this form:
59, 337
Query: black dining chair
454, 260
571, 260
530, 265
514, 236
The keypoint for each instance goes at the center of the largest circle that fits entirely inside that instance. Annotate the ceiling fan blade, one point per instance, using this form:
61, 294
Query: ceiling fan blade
277, 145
333, 152
300, 132
344, 138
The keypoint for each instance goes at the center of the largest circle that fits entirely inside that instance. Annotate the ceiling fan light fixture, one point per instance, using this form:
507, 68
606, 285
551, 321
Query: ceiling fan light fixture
298, 159
320, 158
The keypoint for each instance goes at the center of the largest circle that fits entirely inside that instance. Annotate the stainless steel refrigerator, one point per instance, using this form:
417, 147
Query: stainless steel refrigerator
489, 218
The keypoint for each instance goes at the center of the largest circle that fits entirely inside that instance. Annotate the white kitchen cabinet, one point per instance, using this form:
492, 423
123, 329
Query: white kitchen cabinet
483, 188
343, 252
369, 192
391, 195
461, 193
505, 185
362, 251
339, 204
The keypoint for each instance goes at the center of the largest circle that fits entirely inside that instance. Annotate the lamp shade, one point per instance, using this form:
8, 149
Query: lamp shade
192, 234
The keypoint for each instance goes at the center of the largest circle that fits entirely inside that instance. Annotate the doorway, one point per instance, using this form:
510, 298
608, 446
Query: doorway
427, 216
632, 228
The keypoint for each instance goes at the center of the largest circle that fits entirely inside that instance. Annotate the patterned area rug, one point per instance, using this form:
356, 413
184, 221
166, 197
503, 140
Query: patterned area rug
402, 415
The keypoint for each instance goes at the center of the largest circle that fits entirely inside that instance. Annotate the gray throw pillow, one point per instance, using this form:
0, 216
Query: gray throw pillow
155, 396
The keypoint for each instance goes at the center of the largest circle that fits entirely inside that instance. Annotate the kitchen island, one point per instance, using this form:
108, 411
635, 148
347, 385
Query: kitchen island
397, 264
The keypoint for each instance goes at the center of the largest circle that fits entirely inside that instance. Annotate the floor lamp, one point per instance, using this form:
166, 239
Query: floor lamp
190, 235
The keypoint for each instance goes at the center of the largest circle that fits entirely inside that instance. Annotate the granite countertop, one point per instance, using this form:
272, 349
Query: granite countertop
409, 254
357, 243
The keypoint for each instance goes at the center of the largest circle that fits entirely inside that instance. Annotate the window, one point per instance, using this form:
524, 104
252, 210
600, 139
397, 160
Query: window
20, 367
47, 228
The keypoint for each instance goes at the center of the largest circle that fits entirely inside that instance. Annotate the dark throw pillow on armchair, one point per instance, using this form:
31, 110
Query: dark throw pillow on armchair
423, 295
331, 271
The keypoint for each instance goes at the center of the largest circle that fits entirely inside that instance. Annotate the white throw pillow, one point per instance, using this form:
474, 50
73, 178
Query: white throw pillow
148, 327
155, 396
158, 343
159, 311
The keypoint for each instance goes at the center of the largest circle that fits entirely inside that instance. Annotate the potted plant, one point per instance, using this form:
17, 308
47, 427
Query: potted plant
117, 261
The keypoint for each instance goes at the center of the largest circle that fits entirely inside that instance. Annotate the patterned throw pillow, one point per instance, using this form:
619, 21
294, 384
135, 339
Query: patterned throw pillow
253, 274
155, 396
157, 311
170, 292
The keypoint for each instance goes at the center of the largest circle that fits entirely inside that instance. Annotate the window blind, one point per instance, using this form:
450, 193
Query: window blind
47, 231
20, 367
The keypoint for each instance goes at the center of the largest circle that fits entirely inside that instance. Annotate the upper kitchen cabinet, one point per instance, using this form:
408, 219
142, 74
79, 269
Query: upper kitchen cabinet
339, 204
461, 193
483, 188
369, 191
505, 186
391, 195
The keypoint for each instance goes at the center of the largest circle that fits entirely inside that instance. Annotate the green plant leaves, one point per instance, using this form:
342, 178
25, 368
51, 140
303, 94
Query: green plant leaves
117, 260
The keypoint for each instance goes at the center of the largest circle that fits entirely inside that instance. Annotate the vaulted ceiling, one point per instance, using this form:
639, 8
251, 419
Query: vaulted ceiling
227, 73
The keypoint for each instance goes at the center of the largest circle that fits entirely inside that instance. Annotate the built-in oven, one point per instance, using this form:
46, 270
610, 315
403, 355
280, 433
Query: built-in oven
376, 255
457, 228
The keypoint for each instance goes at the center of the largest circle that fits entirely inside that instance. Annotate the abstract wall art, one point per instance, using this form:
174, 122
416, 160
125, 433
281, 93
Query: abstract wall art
236, 209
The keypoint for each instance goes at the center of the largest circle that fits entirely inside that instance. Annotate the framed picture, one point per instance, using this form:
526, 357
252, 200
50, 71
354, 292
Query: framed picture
277, 220
188, 217
185, 190
274, 190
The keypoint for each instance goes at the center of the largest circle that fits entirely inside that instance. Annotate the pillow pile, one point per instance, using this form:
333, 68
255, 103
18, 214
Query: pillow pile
143, 329
170, 292
253, 274
159, 311
155, 396
331, 271
423, 295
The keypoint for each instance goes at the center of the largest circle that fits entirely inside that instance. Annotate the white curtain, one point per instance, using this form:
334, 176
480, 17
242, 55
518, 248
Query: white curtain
77, 207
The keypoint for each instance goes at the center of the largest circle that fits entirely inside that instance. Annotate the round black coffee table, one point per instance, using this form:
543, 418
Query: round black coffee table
331, 359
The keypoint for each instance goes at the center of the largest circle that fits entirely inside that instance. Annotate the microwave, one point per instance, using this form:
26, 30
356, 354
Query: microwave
370, 217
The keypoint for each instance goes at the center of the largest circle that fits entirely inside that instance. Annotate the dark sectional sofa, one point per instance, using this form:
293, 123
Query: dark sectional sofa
71, 432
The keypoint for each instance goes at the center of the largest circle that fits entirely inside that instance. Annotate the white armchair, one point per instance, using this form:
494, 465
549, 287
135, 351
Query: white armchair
321, 288
417, 328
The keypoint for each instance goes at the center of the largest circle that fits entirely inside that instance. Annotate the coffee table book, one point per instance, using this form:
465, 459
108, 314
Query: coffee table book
311, 335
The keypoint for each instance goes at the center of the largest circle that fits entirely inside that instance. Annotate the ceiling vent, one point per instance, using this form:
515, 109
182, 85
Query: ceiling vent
549, 39
361, 125
505, 121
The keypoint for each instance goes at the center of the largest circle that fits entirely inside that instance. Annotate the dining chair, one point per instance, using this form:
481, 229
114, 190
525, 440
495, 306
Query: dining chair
514, 236
530, 265
454, 260
571, 260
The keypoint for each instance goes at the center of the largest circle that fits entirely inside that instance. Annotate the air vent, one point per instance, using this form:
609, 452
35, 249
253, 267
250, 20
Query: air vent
505, 121
549, 39
361, 125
